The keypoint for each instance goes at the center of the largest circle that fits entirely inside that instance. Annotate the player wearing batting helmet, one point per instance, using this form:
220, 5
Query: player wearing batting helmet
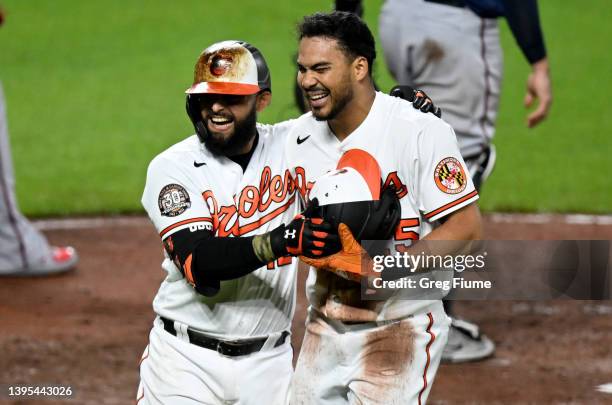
223, 203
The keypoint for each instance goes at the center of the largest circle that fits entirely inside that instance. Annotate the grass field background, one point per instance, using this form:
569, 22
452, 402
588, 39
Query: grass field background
95, 89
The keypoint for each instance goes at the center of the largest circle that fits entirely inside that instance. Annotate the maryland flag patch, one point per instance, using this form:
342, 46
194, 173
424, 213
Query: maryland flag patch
450, 176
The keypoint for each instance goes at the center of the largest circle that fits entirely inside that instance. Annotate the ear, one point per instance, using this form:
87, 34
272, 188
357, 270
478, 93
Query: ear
361, 68
263, 100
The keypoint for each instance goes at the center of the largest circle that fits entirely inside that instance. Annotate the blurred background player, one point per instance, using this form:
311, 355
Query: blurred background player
24, 251
454, 54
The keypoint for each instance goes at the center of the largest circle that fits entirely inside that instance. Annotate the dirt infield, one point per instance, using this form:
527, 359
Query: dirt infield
87, 329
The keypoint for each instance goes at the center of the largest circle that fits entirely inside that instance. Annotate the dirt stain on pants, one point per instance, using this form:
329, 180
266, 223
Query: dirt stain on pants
387, 355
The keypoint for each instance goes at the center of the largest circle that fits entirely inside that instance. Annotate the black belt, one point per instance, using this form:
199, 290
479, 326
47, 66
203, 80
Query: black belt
454, 3
224, 347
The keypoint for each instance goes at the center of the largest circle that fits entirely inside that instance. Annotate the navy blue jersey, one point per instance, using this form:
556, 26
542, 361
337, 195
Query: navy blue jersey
523, 19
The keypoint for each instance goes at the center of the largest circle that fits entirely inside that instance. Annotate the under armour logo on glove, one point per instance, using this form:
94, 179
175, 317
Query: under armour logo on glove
310, 237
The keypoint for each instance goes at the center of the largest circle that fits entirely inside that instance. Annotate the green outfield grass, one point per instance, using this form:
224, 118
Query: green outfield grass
95, 90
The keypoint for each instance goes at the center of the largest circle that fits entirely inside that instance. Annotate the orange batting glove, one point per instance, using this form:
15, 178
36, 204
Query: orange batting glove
347, 263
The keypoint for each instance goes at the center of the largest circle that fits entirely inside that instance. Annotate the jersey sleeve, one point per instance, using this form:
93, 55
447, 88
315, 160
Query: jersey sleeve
172, 201
524, 21
443, 180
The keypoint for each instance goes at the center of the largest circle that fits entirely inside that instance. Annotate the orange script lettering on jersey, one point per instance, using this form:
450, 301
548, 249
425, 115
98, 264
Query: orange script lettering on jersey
252, 199
301, 184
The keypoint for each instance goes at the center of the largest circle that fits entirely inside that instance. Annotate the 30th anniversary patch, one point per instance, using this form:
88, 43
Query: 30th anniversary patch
173, 200
449, 176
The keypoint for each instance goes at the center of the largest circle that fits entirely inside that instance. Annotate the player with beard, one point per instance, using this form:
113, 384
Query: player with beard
223, 202
224, 142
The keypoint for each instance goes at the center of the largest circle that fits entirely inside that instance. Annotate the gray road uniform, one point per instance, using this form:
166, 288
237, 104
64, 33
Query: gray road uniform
451, 49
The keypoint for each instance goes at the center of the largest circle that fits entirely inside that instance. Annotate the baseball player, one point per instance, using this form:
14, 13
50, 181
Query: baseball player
356, 351
24, 251
455, 55
223, 202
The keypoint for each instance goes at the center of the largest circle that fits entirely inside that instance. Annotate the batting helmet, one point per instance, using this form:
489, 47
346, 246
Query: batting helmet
352, 195
228, 67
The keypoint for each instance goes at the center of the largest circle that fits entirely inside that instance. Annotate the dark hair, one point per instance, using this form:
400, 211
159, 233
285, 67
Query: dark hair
353, 35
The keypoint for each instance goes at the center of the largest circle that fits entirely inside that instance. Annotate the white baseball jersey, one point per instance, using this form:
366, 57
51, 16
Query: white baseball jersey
190, 187
418, 154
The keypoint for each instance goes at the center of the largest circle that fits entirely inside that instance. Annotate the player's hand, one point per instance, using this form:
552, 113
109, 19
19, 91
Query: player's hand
424, 103
419, 99
310, 237
538, 87
348, 262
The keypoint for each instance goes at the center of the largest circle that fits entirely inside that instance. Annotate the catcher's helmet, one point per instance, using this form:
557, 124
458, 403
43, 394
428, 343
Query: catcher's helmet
228, 67
352, 195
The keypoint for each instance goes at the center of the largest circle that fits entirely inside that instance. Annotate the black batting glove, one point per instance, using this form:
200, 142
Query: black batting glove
310, 237
425, 104
419, 99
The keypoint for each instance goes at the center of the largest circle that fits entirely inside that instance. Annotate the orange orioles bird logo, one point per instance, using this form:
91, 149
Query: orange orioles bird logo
450, 176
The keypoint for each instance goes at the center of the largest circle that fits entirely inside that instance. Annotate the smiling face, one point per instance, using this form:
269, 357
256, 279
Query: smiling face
230, 121
325, 76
